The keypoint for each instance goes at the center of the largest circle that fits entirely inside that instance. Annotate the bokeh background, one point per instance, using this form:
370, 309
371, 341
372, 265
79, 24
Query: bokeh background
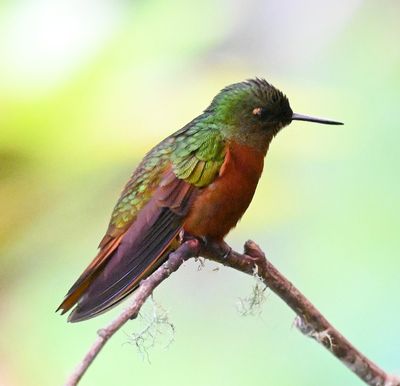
87, 87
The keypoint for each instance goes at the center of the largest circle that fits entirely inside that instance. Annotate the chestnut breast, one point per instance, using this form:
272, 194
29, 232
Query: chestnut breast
219, 206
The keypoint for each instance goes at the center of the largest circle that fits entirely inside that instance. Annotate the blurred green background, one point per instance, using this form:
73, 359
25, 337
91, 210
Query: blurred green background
87, 87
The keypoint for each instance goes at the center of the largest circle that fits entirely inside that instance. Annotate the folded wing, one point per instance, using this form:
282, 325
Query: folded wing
126, 260
147, 218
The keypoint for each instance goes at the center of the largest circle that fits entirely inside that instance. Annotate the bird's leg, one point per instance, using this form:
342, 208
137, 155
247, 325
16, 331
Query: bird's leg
219, 247
224, 249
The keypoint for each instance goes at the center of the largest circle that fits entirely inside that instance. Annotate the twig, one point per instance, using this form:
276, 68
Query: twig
187, 250
309, 320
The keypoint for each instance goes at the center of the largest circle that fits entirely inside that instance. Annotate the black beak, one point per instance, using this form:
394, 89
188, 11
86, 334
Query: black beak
301, 117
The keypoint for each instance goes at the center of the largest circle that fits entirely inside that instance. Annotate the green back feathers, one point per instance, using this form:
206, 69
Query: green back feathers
140, 187
199, 154
195, 153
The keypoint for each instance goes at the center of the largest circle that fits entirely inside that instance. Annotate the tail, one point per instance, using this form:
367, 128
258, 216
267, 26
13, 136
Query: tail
112, 280
125, 260
90, 274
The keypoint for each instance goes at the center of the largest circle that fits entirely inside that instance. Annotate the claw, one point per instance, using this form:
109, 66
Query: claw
227, 253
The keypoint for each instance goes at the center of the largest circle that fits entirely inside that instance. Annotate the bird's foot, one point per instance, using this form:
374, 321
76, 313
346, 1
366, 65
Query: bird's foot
225, 250
219, 247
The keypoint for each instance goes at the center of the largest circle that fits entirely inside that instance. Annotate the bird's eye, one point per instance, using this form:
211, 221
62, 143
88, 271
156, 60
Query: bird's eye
260, 112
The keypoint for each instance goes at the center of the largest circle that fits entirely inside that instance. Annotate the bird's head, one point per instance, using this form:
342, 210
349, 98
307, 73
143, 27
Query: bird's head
254, 111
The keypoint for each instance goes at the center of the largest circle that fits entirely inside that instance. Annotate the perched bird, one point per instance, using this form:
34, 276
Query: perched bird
200, 179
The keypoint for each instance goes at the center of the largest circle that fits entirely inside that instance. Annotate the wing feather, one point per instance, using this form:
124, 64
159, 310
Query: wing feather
140, 248
147, 218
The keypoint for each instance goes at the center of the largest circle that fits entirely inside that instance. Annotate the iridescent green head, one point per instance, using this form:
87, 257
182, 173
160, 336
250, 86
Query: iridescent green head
254, 111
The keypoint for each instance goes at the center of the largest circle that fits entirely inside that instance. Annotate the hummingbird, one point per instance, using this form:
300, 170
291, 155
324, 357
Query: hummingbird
200, 180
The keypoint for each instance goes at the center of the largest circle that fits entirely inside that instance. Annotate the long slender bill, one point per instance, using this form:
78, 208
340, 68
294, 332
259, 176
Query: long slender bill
301, 117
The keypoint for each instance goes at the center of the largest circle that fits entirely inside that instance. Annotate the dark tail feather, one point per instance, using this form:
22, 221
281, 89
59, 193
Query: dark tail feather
140, 250
87, 277
122, 275
133, 260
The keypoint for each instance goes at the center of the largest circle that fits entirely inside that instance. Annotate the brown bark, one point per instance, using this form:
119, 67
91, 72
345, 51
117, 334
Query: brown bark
253, 261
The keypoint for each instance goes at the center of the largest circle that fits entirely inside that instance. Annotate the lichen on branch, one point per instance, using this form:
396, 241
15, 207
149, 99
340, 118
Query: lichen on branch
309, 320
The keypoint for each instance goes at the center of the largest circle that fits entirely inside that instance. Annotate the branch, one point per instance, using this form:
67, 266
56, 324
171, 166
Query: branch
309, 320
190, 248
